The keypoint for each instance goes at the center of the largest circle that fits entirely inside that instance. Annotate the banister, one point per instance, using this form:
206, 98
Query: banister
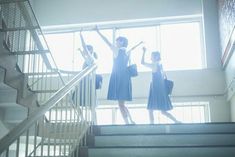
11, 1
15, 133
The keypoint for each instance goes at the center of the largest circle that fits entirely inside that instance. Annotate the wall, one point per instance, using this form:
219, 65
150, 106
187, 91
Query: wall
55, 12
226, 19
227, 24
233, 109
195, 85
211, 33
230, 81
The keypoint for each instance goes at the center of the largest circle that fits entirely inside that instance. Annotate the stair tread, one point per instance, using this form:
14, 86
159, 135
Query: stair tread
179, 146
207, 128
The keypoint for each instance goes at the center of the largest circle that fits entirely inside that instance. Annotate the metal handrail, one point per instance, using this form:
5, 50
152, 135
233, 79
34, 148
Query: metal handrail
15, 133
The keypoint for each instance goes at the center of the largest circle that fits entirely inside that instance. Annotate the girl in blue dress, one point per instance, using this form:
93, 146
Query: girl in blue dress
158, 98
120, 87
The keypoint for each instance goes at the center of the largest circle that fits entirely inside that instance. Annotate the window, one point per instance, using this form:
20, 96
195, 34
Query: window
62, 48
187, 112
180, 46
134, 35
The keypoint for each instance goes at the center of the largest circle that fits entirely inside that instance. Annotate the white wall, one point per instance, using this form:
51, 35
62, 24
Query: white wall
61, 12
211, 33
227, 24
233, 109
230, 81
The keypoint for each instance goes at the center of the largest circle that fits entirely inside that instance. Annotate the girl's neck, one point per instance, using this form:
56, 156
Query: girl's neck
122, 48
157, 62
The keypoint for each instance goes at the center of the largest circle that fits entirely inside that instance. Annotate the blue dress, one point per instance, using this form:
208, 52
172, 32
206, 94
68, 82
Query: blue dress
120, 87
158, 98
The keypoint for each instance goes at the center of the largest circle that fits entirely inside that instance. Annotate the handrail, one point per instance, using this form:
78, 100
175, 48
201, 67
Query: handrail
56, 67
34, 116
11, 1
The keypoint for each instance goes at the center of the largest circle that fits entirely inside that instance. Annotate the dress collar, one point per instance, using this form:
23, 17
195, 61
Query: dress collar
122, 48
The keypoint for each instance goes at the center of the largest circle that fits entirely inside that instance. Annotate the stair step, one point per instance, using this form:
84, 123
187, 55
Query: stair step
9, 104
2, 75
165, 128
15, 114
8, 96
20, 28
29, 52
165, 140
163, 152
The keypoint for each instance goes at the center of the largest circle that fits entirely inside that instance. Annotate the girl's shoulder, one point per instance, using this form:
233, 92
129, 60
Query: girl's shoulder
95, 55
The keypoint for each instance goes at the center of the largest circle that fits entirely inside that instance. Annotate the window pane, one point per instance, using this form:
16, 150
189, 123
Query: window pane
186, 112
62, 48
134, 35
181, 46
104, 116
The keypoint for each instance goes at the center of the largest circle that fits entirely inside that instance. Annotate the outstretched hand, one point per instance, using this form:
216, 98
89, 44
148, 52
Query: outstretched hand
81, 30
144, 49
96, 28
79, 49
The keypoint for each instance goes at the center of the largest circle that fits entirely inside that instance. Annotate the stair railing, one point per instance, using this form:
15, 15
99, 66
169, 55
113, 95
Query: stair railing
25, 40
56, 128
63, 118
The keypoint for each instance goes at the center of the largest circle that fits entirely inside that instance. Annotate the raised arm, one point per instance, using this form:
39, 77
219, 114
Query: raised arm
149, 65
87, 57
134, 47
83, 41
112, 47
85, 53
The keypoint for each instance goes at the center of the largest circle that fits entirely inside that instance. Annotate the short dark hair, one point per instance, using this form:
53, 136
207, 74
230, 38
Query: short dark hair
89, 47
124, 40
156, 54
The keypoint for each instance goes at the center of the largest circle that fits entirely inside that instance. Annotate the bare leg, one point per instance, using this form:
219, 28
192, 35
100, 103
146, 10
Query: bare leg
94, 116
170, 116
151, 117
124, 113
80, 113
129, 115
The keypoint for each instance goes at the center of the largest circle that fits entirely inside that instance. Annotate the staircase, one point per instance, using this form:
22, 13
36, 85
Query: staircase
193, 140
20, 64
37, 115
9, 106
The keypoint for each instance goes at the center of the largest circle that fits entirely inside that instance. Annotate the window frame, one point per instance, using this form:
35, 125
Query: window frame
154, 22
